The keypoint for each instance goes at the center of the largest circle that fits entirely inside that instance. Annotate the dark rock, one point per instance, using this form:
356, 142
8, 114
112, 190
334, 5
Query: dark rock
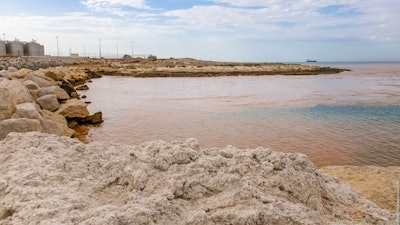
83, 96
82, 87
95, 118
67, 86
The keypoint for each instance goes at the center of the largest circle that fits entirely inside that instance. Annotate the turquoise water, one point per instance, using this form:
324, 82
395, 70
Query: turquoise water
352, 118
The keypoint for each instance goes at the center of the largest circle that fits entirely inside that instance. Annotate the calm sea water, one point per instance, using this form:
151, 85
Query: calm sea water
351, 118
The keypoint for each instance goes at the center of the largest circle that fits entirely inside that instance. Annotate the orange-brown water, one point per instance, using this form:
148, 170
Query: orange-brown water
348, 118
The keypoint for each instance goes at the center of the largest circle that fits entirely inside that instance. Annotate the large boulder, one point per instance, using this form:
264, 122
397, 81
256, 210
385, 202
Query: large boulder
27, 110
6, 74
49, 102
54, 123
7, 107
40, 79
19, 125
18, 92
21, 73
73, 109
56, 75
56, 90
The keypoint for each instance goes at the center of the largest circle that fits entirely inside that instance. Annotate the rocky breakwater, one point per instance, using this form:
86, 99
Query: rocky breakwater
49, 179
43, 100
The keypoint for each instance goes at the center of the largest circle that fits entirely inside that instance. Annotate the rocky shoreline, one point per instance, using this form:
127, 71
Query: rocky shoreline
47, 178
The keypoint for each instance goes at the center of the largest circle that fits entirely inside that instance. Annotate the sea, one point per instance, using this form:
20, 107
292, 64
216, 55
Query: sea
351, 118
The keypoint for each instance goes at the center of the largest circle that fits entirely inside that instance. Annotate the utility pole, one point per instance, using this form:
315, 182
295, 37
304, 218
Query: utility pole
117, 51
58, 50
4, 37
100, 48
132, 49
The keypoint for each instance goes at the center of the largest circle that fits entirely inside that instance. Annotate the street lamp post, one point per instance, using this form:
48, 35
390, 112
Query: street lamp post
58, 50
100, 48
132, 49
4, 37
117, 51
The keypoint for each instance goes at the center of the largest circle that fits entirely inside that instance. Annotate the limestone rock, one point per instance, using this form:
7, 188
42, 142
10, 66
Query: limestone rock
18, 92
54, 123
40, 79
21, 73
94, 119
47, 179
27, 110
73, 108
56, 75
49, 102
56, 90
82, 87
5, 74
31, 85
18, 125
12, 69
68, 87
7, 107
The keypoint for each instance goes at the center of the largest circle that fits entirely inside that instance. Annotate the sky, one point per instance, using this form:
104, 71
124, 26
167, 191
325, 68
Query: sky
222, 30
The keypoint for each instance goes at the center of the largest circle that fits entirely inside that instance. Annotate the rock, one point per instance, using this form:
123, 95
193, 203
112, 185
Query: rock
30, 85
7, 107
95, 118
47, 179
73, 108
22, 73
27, 110
5, 74
55, 75
54, 123
18, 92
12, 69
68, 88
56, 90
49, 102
82, 87
40, 79
18, 125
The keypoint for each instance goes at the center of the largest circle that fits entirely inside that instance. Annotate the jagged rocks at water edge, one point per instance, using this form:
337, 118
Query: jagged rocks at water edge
42, 100
49, 179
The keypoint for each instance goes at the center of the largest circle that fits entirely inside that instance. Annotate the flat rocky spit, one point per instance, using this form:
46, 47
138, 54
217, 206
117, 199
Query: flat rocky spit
49, 179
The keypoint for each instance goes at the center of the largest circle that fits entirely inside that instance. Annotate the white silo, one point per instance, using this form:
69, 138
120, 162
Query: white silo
3, 49
41, 47
32, 49
15, 48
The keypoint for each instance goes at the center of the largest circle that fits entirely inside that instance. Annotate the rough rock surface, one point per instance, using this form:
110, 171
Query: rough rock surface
18, 125
49, 102
73, 108
61, 94
27, 110
54, 123
47, 179
7, 107
17, 91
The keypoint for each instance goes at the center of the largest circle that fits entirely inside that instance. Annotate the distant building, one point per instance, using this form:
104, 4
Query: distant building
74, 55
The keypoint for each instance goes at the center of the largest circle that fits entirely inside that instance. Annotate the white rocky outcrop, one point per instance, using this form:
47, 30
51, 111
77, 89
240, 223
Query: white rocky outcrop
47, 179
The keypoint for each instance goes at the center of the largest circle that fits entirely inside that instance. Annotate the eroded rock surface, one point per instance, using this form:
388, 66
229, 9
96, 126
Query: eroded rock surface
47, 179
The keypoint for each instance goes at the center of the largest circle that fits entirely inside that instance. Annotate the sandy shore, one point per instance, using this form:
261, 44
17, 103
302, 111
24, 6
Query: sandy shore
378, 184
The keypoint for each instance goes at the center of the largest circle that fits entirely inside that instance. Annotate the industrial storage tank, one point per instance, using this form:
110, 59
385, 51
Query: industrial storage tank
41, 50
3, 50
15, 48
32, 49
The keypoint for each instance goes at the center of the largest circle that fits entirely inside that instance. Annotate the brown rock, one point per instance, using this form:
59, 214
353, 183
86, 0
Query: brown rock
73, 108
49, 102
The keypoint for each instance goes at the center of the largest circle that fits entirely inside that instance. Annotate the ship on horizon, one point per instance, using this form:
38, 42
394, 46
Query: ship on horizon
311, 60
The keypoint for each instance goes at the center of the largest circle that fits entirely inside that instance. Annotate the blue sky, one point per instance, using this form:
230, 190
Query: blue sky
226, 30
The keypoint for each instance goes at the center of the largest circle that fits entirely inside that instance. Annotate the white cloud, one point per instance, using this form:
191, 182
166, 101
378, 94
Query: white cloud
114, 6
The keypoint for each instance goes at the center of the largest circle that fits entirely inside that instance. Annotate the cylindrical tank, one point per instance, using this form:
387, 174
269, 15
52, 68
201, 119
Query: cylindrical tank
41, 47
32, 49
3, 50
15, 48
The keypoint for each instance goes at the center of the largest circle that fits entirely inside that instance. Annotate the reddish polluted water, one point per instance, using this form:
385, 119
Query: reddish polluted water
351, 118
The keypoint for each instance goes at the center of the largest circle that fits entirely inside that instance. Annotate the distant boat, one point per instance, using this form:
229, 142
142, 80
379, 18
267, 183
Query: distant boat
311, 60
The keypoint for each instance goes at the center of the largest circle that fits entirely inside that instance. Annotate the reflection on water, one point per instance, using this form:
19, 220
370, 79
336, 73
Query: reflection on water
349, 118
